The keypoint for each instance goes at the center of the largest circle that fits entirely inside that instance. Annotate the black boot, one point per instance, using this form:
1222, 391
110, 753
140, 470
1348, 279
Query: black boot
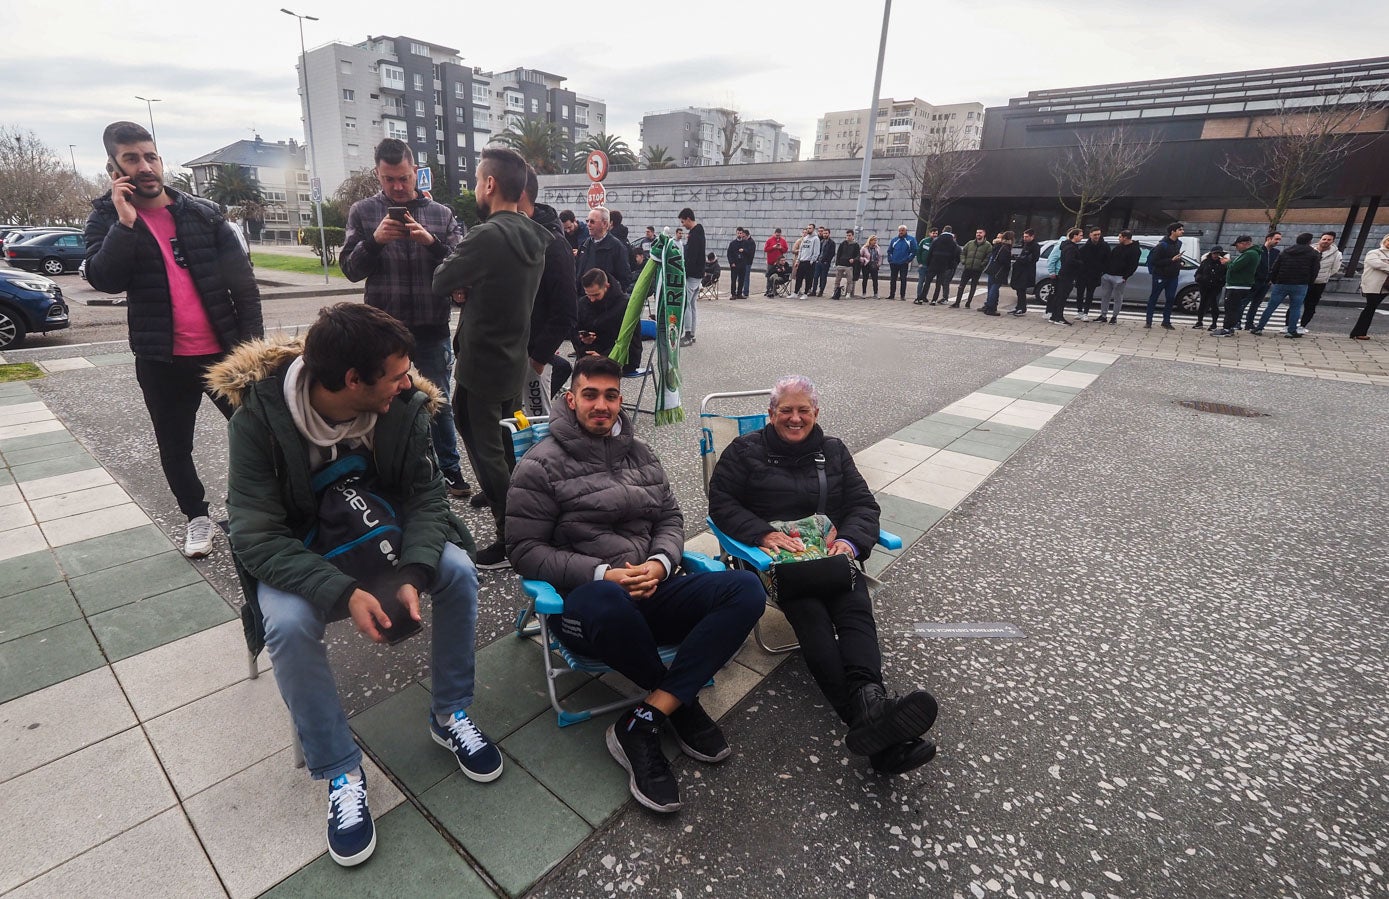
903, 757
881, 722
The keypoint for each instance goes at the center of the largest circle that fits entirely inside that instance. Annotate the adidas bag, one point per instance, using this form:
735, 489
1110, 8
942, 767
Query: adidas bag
358, 529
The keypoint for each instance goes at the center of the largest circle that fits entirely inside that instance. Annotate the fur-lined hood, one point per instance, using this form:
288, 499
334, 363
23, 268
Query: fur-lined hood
256, 360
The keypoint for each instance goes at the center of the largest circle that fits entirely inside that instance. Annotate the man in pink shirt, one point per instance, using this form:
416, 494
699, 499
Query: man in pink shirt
190, 297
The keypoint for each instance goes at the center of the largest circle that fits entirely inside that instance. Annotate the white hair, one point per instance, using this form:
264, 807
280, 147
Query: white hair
603, 214
794, 384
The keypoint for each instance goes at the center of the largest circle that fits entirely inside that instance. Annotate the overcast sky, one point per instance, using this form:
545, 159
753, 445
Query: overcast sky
224, 71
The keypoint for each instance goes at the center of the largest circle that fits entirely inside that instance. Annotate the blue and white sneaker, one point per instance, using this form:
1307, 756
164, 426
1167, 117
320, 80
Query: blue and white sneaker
351, 833
477, 755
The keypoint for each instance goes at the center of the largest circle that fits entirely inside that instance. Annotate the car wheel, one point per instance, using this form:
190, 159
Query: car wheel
1045, 290
11, 329
52, 265
1189, 300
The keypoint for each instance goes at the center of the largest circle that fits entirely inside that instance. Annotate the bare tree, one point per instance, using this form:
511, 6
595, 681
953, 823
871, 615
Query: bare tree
732, 139
1302, 145
31, 177
1094, 171
854, 148
934, 174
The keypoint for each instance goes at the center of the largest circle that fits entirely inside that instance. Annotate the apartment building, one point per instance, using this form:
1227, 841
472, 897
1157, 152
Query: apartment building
904, 128
282, 172
696, 136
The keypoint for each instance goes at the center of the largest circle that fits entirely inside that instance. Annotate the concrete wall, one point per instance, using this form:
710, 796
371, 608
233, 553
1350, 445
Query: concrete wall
759, 197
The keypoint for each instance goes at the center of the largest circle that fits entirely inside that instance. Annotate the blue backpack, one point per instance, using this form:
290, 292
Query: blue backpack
358, 529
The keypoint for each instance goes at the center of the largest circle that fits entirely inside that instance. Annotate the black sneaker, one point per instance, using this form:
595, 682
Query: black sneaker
1169, 326
635, 742
881, 722
477, 755
1102, 319
456, 485
480, 501
493, 557
903, 757
351, 833
698, 735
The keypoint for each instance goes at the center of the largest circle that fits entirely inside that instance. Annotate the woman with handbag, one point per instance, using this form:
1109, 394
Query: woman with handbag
797, 494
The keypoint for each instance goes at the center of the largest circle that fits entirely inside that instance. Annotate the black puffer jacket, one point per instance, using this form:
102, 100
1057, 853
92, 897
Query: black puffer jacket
944, 255
1025, 266
760, 479
128, 259
552, 317
1297, 264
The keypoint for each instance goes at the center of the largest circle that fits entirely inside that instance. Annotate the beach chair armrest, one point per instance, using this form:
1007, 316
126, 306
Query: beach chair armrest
889, 541
547, 598
699, 563
753, 556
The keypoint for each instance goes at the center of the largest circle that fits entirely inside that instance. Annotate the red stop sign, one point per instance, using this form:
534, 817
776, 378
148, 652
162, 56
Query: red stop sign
596, 195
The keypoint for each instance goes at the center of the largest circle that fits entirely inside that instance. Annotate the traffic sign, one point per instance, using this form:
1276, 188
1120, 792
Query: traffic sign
424, 179
316, 190
597, 165
596, 195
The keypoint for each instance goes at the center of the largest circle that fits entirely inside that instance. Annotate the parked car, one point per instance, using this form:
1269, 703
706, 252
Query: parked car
29, 303
1137, 288
52, 253
11, 234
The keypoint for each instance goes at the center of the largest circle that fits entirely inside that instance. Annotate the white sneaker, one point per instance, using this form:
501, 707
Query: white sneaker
1302, 330
1083, 318
197, 539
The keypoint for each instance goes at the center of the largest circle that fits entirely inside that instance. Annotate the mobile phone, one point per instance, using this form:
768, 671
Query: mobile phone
113, 168
397, 214
402, 625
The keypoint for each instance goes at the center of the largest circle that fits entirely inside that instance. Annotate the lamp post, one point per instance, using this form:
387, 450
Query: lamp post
316, 186
872, 119
72, 151
149, 106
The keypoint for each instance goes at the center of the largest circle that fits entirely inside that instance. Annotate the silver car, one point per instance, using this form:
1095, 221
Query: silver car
1137, 288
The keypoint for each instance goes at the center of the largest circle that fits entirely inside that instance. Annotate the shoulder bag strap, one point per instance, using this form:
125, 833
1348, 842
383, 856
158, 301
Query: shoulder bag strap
824, 483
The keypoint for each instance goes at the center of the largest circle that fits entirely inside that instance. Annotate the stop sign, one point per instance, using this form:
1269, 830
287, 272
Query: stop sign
596, 195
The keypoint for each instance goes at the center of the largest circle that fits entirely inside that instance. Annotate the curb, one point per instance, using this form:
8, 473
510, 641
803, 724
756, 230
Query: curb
291, 293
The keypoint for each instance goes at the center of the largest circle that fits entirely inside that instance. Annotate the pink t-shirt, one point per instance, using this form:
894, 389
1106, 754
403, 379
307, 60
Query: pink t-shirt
193, 334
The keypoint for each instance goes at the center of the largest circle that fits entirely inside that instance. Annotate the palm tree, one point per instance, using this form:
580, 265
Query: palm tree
183, 181
620, 155
238, 189
656, 157
542, 144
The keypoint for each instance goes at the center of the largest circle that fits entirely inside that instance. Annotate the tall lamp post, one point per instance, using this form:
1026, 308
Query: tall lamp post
872, 119
72, 151
149, 106
316, 185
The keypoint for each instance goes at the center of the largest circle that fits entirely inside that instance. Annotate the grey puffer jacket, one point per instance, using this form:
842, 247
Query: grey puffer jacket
578, 501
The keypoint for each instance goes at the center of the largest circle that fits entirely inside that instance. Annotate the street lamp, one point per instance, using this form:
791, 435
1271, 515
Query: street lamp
872, 119
149, 105
72, 151
316, 186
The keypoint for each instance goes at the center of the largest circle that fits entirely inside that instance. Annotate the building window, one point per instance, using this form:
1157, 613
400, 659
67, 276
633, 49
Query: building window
439, 124
515, 101
460, 114
274, 196
462, 163
396, 129
438, 98
480, 94
348, 94
439, 149
305, 197
354, 150
419, 107
535, 106
581, 115
458, 91
462, 141
392, 77
419, 50
564, 110
349, 122
344, 66
422, 157
419, 133
301, 177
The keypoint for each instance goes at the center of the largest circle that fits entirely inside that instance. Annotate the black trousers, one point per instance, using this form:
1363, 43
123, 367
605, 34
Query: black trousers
941, 280
1234, 305
897, 272
1367, 315
173, 393
839, 641
1085, 296
1061, 291
805, 277
1210, 302
969, 282
1309, 305
867, 272
487, 444
1022, 298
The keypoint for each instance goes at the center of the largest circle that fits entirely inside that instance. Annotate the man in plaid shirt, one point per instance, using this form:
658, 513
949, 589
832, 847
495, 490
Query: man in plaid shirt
397, 258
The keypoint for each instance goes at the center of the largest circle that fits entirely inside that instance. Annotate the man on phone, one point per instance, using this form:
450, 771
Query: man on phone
395, 240
190, 297
299, 406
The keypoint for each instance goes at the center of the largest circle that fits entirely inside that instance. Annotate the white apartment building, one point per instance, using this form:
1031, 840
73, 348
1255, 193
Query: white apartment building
904, 128
695, 136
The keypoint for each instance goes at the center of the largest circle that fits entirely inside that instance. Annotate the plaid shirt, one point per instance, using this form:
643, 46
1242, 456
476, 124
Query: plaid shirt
399, 274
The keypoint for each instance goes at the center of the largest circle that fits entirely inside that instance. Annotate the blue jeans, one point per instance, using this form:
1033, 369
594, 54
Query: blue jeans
923, 278
434, 359
1294, 294
1169, 287
708, 614
991, 298
822, 275
294, 635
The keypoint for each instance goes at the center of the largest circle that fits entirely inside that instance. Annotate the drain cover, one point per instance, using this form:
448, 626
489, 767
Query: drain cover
1222, 409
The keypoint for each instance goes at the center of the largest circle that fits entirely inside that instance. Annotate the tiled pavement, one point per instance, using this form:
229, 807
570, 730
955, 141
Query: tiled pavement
137, 756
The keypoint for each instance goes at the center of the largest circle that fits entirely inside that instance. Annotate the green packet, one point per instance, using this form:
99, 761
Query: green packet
812, 530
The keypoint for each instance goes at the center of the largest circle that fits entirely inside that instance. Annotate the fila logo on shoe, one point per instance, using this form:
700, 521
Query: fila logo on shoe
644, 714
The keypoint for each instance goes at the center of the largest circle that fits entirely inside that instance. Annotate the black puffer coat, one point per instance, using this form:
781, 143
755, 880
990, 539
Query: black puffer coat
760, 479
1025, 266
1298, 264
128, 259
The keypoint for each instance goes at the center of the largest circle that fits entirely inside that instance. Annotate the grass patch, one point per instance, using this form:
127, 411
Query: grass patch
304, 265
19, 371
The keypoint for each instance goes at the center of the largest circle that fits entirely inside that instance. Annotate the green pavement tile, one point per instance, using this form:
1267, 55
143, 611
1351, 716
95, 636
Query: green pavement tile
16, 388
981, 449
44, 453
138, 626
36, 610
411, 859
878, 562
43, 659
946, 418
15, 399
396, 731
910, 512
53, 467
102, 359
1050, 362
998, 428
5, 477
925, 433
515, 828
573, 762
987, 433
16, 443
102, 591
1089, 368
1052, 393
908, 533
100, 553
26, 572
1008, 387
510, 685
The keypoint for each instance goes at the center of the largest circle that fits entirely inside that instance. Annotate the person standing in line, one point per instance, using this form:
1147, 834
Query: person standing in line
1210, 279
552, 318
741, 251
774, 249
1067, 258
1165, 265
1373, 282
941, 261
900, 252
1330, 265
604, 250
823, 263
575, 231
807, 251
845, 264
397, 258
641, 251
694, 272
1239, 278
870, 260
1262, 277
973, 257
680, 238
1119, 266
618, 229
996, 269
1024, 275
923, 270
1291, 275
1094, 254
191, 297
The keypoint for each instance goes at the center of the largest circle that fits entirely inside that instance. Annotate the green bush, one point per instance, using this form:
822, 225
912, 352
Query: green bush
465, 207
334, 237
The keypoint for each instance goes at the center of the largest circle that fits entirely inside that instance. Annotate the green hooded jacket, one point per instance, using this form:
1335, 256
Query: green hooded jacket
1243, 268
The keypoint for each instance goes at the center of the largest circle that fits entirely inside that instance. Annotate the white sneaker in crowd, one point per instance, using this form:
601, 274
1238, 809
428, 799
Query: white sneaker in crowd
197, 539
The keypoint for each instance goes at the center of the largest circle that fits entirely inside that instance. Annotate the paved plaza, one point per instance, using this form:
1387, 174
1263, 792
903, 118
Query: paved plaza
1191, 701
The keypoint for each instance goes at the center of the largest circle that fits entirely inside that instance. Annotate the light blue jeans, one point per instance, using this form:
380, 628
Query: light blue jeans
1294, 294
294, 630
688, 317
434, 359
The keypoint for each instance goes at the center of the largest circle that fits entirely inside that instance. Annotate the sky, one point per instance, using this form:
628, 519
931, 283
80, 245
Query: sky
225, 71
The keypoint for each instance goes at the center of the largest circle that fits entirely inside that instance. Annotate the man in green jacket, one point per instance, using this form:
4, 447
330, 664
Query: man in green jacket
494, 275
347, 390
973, 257
1239, 281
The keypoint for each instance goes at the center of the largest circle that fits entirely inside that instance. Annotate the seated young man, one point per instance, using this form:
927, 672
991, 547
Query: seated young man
591, 512
600, 319
711, 271
778, 275
346, 389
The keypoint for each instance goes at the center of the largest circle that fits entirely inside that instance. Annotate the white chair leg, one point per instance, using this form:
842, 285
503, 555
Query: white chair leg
251, 663
298, 749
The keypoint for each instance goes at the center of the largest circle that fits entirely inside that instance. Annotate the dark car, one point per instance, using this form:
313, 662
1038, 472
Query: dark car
52, 253
29, 303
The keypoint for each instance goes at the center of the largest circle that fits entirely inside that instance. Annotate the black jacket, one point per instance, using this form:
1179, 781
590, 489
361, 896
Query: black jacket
604, 319
998, 261
1070, 260
554, 313
1025, 266
128, 259
944, 255
1160, 261
741, 251
694, 252
1093, 257
827, 249
609, 254
1123, 260
1298, 264
1211, 272
848, 253
760, 479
